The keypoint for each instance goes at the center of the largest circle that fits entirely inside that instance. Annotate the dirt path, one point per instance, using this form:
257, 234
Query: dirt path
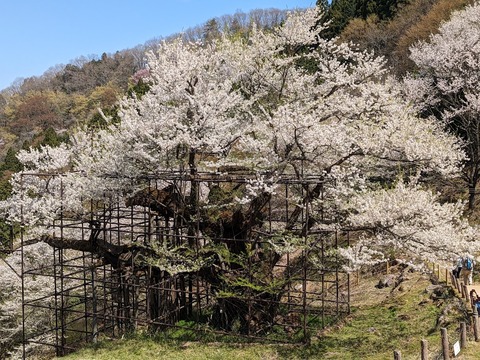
475, 287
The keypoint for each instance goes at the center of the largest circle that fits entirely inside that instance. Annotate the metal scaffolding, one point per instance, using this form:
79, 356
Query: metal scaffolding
109, 281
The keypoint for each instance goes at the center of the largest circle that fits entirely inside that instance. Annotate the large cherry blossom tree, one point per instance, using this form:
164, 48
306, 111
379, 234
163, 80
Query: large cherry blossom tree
447, 83
282, 103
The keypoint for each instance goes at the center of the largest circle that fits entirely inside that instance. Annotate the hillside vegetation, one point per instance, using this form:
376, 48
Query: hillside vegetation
68, 95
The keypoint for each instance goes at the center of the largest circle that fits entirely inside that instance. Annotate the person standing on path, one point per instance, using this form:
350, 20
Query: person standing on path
458, 267
467, 270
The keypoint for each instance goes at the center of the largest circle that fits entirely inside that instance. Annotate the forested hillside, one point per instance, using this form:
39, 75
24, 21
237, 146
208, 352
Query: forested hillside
71, 94
390, 31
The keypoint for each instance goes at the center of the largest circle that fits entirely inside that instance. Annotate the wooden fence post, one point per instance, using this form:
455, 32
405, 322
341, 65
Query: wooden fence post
463, 335
397, 355
424, 349
475, 323
445, 345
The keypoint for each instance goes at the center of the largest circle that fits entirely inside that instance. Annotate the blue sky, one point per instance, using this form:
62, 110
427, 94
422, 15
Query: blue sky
36, 35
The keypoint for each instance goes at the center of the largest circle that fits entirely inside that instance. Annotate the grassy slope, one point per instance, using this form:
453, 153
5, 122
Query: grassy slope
382, 320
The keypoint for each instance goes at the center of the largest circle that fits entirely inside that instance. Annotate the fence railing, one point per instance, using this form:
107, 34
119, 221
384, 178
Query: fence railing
448, 347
